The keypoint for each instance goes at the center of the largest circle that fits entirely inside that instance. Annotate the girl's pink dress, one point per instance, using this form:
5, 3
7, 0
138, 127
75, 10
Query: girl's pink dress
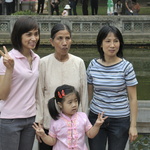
70, 132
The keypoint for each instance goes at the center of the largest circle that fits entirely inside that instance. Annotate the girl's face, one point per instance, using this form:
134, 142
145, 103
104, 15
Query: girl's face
110, 46
61, 42
70, 105
30, 39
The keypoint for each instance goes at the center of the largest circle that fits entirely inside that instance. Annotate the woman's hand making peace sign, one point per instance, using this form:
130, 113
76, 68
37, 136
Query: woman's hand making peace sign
7, 60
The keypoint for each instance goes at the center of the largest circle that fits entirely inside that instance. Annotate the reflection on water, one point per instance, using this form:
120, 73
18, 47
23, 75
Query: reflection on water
138, 56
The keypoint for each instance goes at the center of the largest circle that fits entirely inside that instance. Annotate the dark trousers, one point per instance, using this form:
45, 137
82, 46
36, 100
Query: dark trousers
9, 8
73, 7
0, 9
94, 7
85, 7
43, 146
13, 6
115, 130
55, 8
40, 6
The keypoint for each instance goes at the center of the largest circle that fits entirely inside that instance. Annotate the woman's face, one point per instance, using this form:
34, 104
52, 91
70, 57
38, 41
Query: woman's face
61, 42
110, 45
30, 39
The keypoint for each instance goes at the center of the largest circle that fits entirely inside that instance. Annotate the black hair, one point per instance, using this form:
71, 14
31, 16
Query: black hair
58, 27
21, 26
118, 1
118, 4
60, 94
135, 1
104, 31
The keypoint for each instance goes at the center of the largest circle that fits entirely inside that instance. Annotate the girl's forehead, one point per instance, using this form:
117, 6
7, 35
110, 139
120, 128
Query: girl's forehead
70, 96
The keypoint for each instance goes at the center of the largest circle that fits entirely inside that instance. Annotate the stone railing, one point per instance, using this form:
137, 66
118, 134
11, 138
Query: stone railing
143, 126
135, 29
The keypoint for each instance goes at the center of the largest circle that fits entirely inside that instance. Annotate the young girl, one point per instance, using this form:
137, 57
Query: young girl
68, 127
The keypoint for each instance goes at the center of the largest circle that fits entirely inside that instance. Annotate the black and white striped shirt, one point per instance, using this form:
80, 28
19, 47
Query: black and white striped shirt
110, 87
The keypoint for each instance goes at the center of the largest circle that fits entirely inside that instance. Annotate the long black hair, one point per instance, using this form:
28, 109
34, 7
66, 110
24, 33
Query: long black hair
60, 94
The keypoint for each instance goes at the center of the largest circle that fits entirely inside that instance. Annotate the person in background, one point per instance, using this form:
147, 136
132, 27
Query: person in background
65, 11
40, 6
112, 89
9, 7
110, 7
128, 4
18, 81
56, 69
73, 4
54, 6
14, 5
94, 7
118, 8
85, 7
132, 7
68, 126
135, 7
0, 7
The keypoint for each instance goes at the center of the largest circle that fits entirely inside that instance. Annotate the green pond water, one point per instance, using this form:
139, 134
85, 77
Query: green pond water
139, 56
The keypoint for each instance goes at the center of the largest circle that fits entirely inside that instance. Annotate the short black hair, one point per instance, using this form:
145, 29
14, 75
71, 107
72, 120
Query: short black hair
21, 26
104, 31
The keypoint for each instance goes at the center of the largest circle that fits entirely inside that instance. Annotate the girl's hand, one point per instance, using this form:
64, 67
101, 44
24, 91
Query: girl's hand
39, 130
7, 60
100, 119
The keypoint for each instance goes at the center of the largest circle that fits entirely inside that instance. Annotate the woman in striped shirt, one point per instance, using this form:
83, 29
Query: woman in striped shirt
112, 90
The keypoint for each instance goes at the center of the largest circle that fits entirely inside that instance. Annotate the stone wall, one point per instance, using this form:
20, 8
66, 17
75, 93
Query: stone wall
135, 29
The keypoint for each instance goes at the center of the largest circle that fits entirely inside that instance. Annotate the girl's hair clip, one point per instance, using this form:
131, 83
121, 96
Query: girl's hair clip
62, 94
59, 95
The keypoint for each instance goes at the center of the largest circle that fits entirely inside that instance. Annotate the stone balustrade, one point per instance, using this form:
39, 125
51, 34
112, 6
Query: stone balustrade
143, 126
135, 29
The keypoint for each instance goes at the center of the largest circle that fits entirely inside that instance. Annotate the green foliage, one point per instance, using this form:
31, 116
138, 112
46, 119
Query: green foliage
25, 12
144, 11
